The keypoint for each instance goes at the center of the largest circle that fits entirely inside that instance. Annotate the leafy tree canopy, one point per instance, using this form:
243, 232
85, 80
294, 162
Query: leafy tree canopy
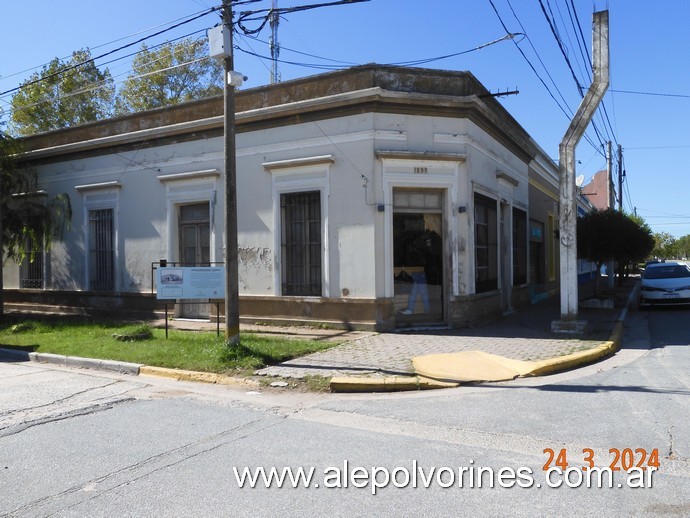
27, 216
173, 73
29, 220
63, 94
605, 235
668, 247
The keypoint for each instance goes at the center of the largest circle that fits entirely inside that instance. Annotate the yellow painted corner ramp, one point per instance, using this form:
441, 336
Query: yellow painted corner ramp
470, 366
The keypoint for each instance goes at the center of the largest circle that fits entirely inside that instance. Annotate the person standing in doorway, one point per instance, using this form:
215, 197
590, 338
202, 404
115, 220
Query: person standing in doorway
415, 256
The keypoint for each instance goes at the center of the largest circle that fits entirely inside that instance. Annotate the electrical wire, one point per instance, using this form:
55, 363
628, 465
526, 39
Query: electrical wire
105, 83
129, 70
587, 60
564, 52
349, 64
658, 94
143, 31
568, 113
346, 63
93, 59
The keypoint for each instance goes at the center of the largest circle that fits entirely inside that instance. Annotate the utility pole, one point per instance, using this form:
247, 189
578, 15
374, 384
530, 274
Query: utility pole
273, 44
568, 200
621, 173
611, 264
232, 298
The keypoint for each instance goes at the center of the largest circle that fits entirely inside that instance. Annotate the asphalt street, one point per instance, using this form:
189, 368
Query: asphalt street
88, 443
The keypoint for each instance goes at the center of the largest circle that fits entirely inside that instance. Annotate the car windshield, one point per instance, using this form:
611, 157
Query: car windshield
670, 271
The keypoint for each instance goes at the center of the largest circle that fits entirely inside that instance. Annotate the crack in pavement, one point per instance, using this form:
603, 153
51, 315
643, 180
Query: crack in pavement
100, 486
59, 400
20, 427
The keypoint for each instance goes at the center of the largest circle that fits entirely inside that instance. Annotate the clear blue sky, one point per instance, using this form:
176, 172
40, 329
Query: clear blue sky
649, 53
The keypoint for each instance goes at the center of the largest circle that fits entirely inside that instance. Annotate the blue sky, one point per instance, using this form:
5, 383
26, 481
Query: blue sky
649, 53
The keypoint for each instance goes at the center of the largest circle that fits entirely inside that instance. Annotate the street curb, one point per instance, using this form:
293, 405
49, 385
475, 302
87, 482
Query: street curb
387, 384
72, 361
135, 369
205, 377
543, 367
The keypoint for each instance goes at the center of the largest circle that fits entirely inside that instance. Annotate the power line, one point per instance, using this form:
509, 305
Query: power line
579, 86
568, 113
104, 83
564, 52
658, 94
348, 64
658, 147
264, 15
93, 59
582, 44
143, 31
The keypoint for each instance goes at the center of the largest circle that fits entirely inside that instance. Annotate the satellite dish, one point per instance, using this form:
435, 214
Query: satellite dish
580, 180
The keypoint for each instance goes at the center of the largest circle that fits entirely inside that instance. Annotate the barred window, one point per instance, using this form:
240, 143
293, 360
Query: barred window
32, 266
101, 250
486, 244
301, 243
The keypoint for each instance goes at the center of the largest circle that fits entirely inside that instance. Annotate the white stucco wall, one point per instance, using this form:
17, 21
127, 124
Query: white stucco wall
352, 180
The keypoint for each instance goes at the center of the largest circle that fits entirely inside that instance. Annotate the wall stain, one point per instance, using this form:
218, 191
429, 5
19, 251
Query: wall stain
255, 257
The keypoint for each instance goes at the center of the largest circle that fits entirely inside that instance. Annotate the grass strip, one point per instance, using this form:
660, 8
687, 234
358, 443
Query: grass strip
191, 350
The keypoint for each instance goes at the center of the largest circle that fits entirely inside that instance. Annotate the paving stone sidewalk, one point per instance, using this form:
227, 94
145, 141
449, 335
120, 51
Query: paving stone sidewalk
523, 335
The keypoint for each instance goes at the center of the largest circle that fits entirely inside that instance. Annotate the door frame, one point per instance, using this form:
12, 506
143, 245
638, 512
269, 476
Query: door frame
443, 175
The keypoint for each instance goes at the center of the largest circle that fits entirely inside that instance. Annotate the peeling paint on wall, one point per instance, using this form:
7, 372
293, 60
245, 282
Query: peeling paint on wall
255, 257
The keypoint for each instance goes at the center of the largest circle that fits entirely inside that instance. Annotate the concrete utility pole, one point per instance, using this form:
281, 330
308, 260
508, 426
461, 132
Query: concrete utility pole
232, 298
568, 200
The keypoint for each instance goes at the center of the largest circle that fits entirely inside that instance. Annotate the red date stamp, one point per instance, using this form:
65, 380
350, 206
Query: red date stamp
623, 459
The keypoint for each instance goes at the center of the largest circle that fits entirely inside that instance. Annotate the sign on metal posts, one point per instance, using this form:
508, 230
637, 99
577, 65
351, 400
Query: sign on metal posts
195, 282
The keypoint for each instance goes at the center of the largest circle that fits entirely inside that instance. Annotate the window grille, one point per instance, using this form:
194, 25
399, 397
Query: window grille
486, 244
301, 243
32, 269
101, 250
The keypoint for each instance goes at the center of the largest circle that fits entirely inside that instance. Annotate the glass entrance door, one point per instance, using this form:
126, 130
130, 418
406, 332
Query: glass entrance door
418, 258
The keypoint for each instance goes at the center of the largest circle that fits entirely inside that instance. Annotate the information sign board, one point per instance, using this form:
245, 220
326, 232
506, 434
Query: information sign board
196, 282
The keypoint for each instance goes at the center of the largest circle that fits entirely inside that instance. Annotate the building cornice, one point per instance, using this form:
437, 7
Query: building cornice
371, 90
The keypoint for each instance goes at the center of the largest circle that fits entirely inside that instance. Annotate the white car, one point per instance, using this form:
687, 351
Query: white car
665, 283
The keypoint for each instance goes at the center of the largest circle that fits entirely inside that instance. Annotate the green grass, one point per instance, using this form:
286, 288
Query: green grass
200, 351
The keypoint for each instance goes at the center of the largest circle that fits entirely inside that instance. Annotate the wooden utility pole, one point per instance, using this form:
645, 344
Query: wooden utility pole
232, 298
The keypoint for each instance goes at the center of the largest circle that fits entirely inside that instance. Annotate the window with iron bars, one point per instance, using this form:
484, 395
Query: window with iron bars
32, 267
301, 243
486, 244
101, 250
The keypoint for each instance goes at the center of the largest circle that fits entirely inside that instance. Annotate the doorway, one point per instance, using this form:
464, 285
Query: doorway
195, 250
418, 257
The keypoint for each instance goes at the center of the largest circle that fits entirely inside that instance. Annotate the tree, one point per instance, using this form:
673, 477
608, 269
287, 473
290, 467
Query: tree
174, 73
684, 247
665, 246
63, 94
605, 235
29, 222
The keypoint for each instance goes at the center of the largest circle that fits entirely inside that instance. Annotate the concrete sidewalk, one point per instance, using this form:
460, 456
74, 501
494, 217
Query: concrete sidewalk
521, 341
524, 335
